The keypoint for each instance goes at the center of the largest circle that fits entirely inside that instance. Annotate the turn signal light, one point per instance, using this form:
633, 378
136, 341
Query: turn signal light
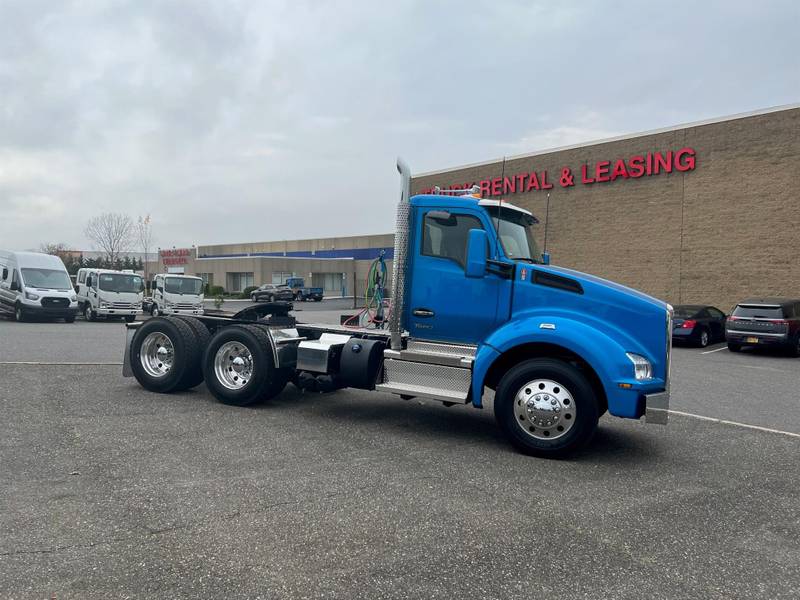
689, 323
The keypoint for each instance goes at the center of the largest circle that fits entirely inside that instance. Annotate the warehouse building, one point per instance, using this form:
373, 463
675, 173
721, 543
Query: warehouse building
338, 265
701, 213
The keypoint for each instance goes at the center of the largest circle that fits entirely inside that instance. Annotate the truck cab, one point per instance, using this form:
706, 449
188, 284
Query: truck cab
109, 294
477, 288
177, 295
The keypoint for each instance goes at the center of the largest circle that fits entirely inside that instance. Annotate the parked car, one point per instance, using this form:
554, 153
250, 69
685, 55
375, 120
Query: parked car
771, 322
698, 325
269, 292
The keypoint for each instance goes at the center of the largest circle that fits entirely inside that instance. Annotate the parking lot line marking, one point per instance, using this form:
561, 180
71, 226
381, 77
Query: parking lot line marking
63, 364
735, 423
717, 350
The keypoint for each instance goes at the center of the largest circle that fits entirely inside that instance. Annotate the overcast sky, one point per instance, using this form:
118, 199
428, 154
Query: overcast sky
244, 121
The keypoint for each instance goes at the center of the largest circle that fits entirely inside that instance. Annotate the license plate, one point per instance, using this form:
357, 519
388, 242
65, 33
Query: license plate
752, 340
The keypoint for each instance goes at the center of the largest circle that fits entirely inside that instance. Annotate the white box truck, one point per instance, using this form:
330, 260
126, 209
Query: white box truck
108, 293
176, 295
34, 284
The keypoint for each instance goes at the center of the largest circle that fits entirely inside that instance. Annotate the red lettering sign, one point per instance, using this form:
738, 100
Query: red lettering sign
652, 163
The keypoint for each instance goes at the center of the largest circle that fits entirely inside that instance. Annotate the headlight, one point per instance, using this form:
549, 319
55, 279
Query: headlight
73, 298
30, 296
642, 368
169, 304
104, 305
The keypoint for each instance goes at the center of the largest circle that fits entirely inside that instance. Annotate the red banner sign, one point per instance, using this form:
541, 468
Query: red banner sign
175, 256
633, 167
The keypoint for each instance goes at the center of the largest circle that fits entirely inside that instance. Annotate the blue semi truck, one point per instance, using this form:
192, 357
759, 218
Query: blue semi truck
476, 307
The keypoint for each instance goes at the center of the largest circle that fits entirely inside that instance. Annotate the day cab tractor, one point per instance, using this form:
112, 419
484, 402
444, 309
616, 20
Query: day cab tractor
476, 306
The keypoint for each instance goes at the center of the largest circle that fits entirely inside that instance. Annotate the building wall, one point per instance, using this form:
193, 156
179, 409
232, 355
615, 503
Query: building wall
725, 230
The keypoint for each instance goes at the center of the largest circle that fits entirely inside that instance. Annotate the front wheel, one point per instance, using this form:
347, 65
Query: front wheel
154, 311
546, 408
88, 313
19, 314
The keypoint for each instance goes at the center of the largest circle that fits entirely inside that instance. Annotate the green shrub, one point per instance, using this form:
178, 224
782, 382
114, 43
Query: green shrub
218, 301
245, 295
215, 290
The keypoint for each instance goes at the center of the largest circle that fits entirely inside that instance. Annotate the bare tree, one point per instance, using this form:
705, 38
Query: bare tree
144, 236
58, 249
112, 232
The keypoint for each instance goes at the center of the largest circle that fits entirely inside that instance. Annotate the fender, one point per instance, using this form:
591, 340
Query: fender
603, 353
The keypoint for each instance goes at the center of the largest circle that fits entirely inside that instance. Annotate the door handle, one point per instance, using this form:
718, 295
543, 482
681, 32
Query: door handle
422, 312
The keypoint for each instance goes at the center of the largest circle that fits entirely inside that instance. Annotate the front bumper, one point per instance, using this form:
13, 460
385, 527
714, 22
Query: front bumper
118, 312
183, 311
49, 312
656, 408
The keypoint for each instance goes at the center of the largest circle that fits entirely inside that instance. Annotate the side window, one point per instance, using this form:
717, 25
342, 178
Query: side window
95, 277
14, 277
82, 277
716, 313
703, 314
444, 235
4, 273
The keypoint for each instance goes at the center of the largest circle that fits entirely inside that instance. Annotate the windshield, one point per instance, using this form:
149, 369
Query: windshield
117, 282
515, 230
183, 285
46, 278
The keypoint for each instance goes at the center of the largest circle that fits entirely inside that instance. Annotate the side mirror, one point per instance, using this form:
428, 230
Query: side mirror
545, 258
477, 243
15, 286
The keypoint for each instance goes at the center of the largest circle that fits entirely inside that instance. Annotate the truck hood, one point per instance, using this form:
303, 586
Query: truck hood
632, 318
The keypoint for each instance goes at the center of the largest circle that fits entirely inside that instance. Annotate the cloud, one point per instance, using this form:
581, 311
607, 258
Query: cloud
243, 120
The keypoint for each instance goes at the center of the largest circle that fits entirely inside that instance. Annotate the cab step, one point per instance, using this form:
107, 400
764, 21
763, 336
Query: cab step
429, 370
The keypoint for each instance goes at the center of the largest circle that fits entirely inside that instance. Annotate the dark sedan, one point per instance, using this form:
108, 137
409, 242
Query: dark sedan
698, 325
272, 293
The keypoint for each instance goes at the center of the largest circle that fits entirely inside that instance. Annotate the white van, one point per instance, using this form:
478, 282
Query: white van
177, 295
108, 293
33, 284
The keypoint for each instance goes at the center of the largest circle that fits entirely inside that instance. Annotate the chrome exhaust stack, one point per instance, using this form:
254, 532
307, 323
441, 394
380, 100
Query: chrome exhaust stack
400, 255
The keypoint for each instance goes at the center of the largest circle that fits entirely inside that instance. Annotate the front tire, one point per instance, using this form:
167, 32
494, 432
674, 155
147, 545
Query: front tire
88, 313
19, 314
154, 311
546, 408
239, 367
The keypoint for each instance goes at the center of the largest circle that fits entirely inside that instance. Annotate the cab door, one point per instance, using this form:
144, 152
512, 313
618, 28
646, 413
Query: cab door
443, 303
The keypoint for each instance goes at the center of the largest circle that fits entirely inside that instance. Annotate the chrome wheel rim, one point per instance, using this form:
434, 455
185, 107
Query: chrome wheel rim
233, 365
703, 338
544, 409
157, 354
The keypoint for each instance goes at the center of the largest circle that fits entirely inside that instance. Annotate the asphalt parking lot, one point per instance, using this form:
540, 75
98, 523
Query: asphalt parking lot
111, 491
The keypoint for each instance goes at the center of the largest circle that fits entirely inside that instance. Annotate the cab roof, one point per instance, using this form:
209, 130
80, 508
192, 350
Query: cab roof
464, 201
